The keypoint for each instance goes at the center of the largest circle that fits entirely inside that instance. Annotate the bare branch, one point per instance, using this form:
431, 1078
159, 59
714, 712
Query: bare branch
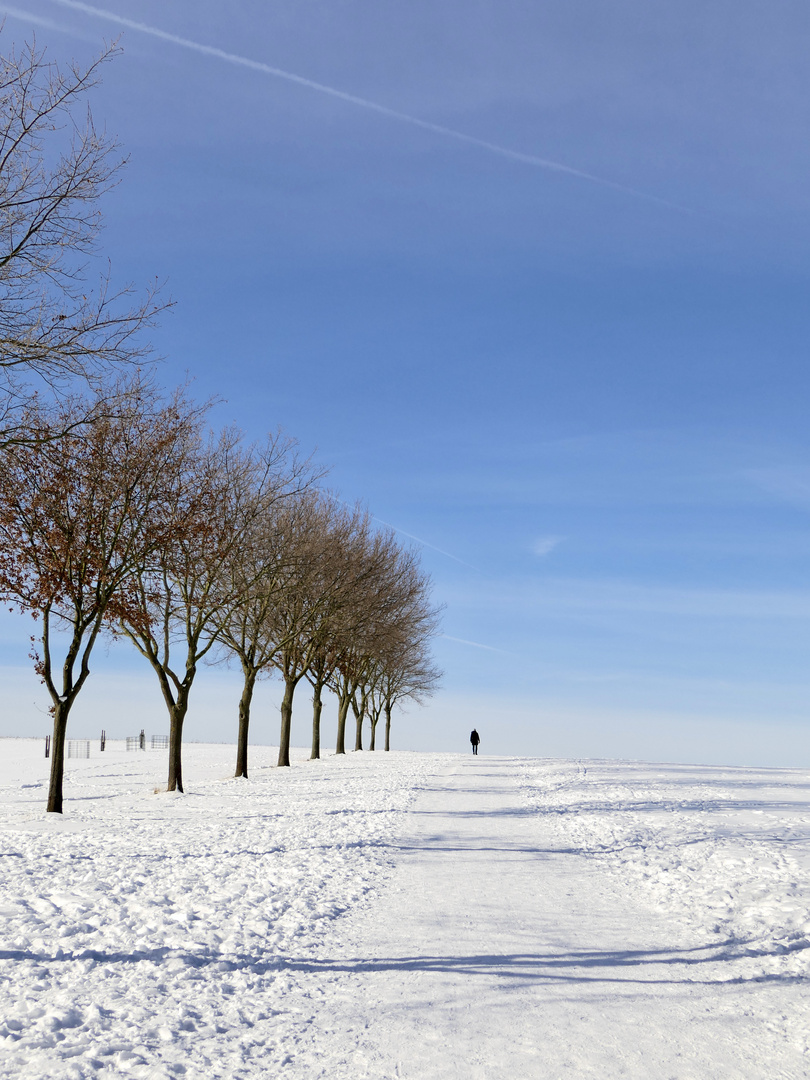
55, 324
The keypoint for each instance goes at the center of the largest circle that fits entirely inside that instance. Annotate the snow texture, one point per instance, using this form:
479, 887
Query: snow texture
402, 915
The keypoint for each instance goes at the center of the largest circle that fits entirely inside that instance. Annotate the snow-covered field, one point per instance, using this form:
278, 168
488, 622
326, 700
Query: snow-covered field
141, 932
724, 851
412, 915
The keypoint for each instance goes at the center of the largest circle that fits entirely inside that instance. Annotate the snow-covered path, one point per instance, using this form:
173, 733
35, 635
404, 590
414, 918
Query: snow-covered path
498, 952
405, 915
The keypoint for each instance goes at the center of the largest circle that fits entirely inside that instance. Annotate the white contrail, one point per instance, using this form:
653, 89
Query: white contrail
418, 539
363, 103
424, 543
37, 20
476, 644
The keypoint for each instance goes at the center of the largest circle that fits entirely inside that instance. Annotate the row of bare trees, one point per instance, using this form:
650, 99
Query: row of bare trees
122, 514
139, 523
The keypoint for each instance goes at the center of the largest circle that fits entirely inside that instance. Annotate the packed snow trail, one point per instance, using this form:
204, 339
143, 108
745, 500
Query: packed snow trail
497, 952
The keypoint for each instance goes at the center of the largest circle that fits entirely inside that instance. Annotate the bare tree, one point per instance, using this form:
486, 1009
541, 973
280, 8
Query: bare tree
409, 671
303, 616
344, 617
54, 167
394, 663
401, 656
77, 514
258, 569
365, 624
412, 676
323, 595
184, 595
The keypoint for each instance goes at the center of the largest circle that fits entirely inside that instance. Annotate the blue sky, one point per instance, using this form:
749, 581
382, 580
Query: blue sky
587, 394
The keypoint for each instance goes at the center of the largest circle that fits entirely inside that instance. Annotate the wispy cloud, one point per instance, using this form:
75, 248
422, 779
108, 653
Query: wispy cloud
365, 103
790, 484
543, 545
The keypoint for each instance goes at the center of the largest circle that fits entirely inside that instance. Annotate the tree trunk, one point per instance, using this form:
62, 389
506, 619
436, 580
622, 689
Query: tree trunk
373, 720
387, 727
177, 714
244, 721
286, 721
62, 703
317, 705
343, 711
358, 726
60, 717
177, 704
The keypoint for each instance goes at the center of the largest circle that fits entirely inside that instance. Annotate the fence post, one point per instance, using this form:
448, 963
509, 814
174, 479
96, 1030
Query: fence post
47, 746
103, 739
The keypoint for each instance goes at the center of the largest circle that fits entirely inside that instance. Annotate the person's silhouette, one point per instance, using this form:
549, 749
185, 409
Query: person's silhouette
475, 739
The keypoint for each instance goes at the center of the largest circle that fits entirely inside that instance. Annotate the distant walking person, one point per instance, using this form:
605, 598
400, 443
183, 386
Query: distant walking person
475, 739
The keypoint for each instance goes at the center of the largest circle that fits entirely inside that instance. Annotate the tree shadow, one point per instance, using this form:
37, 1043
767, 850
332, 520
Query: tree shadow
642, 967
